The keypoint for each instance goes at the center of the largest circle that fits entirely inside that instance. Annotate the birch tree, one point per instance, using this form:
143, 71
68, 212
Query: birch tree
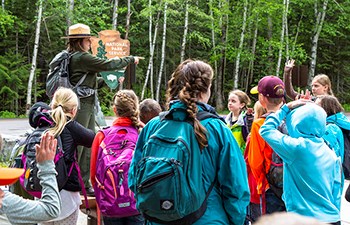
183, 45
149, 72
240, 47
284, 18
320, 15
213, 40
115, 15
3, 4
163, 52
35, 53
222, 65
128, 16
70, 12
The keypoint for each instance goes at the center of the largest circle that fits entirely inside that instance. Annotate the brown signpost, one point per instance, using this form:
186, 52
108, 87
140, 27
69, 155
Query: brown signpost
109, 45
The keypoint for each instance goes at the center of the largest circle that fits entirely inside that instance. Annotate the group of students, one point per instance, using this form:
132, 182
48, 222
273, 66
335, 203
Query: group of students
236, 155
307, 134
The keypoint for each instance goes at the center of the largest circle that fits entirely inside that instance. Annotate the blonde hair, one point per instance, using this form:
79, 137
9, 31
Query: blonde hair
63, 103
127, 105
258, 110
189, 80
242, 97
324, 80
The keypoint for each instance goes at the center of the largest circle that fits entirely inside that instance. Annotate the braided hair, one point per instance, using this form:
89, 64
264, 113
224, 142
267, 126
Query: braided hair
189, 81
127, 105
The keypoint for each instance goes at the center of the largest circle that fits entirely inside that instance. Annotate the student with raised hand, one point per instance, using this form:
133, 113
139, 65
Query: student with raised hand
23, 211
83, 63
312, 171
321, 84
188, 93
64, 107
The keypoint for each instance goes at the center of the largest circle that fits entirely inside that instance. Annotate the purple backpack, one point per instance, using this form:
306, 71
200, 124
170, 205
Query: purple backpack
113, 196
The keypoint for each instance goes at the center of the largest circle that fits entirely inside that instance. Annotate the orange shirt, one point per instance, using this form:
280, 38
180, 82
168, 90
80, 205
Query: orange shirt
121, 121
259, 156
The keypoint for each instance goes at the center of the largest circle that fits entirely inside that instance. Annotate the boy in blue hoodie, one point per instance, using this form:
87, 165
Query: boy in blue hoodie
312, 171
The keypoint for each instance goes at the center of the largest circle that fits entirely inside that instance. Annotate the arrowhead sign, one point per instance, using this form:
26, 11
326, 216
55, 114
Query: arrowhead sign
109, 45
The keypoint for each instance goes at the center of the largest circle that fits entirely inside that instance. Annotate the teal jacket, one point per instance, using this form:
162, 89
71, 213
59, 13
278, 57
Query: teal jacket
229, 198
334, 134
312, 171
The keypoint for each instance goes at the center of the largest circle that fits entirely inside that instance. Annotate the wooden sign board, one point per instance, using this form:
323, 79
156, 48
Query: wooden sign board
109, 45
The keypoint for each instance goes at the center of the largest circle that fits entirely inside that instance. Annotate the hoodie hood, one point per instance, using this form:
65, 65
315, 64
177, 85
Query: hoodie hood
340, 120
306, 121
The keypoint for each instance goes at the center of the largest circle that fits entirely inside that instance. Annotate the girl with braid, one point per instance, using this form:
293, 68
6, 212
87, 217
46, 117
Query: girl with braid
126, 110
189, 89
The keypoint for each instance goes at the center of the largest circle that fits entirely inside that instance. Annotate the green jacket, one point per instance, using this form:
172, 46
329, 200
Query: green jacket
83, 62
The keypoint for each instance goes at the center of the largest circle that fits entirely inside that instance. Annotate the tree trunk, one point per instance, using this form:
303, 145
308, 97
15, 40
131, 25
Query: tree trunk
127, 26
251, 63
183, 46
240, 47
35, 53
3, 4
115, 15
150, 63
214, 45
222, 67
269, 37
70, 12
287, 30
318, 28
284, 17
163, 53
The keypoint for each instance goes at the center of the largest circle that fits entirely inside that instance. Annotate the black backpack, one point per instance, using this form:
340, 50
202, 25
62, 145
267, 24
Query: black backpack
275, 173
59, 74
346, 162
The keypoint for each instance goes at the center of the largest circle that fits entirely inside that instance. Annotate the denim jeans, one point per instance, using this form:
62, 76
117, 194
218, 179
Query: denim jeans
131, 220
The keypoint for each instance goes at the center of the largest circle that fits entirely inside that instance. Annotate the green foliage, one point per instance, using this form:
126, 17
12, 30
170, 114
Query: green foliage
7, 115
17, 29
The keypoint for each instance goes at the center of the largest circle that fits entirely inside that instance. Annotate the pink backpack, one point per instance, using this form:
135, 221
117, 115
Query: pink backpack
113, 196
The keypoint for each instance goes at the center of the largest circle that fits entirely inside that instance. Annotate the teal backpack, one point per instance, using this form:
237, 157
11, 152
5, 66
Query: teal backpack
169, 181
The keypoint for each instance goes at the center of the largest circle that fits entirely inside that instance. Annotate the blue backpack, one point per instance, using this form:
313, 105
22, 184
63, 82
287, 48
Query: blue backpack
169, 181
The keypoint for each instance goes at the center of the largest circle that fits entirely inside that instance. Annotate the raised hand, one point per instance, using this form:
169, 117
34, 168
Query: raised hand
47, 148
289, 65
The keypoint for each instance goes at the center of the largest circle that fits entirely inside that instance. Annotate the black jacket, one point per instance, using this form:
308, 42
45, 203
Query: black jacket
73, 135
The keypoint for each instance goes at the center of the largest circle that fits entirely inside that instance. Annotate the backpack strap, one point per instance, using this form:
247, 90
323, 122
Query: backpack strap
81, 80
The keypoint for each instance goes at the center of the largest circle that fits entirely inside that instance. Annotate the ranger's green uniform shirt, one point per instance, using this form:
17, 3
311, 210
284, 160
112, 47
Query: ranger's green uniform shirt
83, 62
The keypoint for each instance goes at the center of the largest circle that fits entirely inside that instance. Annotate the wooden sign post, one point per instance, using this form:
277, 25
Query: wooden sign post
107, 46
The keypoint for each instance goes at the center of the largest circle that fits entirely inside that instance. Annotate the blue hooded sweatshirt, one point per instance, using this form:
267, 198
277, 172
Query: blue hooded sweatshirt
312, 171
222, 159
334, 134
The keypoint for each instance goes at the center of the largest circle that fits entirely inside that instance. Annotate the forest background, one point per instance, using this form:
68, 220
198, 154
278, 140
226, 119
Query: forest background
243, 41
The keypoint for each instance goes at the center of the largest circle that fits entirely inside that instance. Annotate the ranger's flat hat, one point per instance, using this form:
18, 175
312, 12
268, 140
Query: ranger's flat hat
78, 30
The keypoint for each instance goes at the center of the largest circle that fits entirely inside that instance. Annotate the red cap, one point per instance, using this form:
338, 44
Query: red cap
269, 86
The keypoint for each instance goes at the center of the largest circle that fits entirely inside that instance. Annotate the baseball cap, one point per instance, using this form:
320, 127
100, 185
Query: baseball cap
9, 175
269, 86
